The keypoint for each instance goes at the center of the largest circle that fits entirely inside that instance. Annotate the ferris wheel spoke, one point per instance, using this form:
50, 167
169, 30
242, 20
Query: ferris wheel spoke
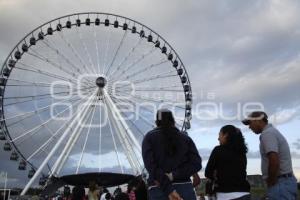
135, 104
143, 70
53, 136
71, 74
116, 111
114, 142
32, 113
125, 133
85, 142
154, 90
33, 98
169, 88
116, 53
152, 112
97, 50
100, 139
28, 114
136, 113
76, 54
54, 149
126, 57
72, 140
86, 51
32, 69
60, 54
149, 99
39, 150
53, 64
42, 95
76, 132
151, 78
123, 141
130, 66
36, 128
30, 83
106, 51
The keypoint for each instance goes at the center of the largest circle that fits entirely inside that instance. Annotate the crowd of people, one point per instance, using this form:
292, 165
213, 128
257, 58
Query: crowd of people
171, 159
136, 190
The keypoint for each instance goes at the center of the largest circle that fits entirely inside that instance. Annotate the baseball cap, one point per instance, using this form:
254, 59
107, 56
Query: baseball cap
256, 115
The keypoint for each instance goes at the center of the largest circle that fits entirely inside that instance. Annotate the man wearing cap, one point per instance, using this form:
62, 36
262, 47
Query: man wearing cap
276, 163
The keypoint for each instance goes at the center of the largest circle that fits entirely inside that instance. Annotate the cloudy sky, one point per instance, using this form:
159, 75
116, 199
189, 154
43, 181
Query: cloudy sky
236, 53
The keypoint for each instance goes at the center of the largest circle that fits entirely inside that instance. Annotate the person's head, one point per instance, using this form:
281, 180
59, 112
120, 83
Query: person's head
233, 138
256, 121
78, 193
165, 121
117, 191
122, 196
108, 196
132, 184
139, 187
67, 191
93, 186
164, 118
105, 190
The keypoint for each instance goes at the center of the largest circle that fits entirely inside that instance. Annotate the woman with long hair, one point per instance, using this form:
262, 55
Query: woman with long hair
93, 193
137, 189
227, 165
170, 158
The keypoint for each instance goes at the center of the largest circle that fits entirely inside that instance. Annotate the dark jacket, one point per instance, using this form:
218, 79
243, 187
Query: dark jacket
230, 169
183, 164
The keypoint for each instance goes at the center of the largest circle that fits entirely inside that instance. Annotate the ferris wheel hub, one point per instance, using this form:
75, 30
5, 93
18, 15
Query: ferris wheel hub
101, 82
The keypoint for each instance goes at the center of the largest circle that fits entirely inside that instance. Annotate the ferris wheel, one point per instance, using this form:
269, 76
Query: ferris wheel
79, 92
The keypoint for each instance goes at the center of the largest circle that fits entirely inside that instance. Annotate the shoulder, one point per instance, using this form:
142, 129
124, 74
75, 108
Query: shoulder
267, 135
271, 133
215, 152
151, 134
218, 149
185, 139
271, 130
183, 136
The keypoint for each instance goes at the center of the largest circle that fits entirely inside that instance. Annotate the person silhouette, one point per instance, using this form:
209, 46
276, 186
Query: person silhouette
170, 158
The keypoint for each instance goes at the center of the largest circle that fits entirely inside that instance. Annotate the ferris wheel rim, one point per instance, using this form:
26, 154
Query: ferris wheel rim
16, 48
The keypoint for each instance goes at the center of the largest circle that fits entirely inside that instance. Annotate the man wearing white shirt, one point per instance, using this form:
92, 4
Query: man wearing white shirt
276, 162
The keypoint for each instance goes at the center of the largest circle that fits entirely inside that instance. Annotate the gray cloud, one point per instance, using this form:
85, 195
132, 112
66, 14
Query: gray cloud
295, 155
297, 144
205, 153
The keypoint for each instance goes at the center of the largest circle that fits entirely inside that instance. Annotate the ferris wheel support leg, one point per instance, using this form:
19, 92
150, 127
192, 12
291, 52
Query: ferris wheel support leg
51, 153
125, 144
70, 144
122, 121
124, 130
68, 150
